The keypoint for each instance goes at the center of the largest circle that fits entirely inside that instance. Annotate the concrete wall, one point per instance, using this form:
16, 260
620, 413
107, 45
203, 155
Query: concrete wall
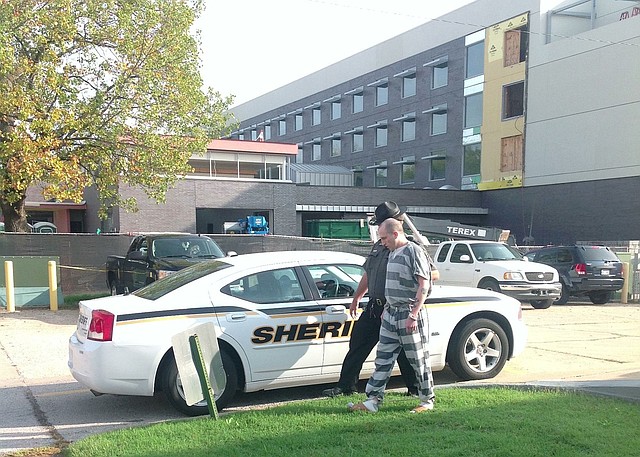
223, 200
584, 106
603, 210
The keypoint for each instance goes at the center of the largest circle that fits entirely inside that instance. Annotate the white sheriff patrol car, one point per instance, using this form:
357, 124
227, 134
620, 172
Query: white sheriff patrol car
282, 320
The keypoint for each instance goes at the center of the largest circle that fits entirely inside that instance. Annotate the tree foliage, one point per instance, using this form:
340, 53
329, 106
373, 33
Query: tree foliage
100, 93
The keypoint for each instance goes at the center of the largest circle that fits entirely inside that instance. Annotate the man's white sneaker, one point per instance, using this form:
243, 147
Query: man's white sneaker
428, 406
370, 406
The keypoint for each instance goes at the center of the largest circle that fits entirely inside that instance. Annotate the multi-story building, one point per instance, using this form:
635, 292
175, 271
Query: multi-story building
426, 109
495, 96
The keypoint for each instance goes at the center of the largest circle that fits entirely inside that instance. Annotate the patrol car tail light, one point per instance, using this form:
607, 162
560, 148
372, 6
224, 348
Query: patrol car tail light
101, 326
580, 268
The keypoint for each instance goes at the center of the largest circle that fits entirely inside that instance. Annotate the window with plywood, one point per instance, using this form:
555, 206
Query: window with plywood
511, 154
516, 44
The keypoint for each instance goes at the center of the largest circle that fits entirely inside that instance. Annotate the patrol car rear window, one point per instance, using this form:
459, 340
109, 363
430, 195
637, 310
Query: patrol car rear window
178, 279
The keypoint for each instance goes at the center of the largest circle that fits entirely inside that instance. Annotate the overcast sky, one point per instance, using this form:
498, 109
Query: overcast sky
250, 47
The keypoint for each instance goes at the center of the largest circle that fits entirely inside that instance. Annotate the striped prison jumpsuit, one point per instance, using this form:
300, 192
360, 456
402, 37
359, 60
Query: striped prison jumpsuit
405, 263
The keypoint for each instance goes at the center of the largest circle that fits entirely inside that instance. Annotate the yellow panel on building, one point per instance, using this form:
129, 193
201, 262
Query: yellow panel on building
503, 183
506, 50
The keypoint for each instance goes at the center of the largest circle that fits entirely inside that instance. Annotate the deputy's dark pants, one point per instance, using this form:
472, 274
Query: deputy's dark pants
364, 336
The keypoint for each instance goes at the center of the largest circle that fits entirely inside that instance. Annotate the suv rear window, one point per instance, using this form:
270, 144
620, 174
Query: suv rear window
597, 253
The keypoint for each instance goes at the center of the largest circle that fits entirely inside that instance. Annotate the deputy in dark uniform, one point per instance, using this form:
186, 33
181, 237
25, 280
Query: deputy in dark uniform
366, 330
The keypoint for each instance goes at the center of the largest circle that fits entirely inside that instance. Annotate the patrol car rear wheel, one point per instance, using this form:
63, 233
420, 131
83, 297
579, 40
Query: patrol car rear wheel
479, 350
172, 387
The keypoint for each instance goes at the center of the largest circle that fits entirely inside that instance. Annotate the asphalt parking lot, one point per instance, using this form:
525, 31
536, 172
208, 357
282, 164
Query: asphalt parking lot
578, 345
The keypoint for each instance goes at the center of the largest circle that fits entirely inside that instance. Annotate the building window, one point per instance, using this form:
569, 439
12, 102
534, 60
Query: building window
271, 171
267, 132
471, 159
241, 136
408, 170
513, 100
381, 136
516, 44
381, 174
475, 60
440, 75
358, 102
408, 85
439, 121
316, 151
358, 142
336, 110
382, 94
358, 181
511, 154
437, 171
316, 116
282, 127
473, 110
336, 147
409, 129
298, 119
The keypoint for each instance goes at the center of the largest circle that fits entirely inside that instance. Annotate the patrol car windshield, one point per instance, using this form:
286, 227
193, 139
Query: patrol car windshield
178, 279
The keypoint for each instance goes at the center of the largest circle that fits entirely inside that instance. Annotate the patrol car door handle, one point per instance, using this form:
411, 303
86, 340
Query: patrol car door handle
236, 317
336, 309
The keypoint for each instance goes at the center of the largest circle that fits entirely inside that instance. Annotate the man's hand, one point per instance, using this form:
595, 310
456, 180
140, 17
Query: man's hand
353, 309
412, 324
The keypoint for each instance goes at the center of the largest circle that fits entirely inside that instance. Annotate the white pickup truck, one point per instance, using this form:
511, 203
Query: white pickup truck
499, 267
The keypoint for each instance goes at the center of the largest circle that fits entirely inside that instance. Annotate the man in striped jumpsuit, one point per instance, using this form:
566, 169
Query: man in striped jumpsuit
405, 323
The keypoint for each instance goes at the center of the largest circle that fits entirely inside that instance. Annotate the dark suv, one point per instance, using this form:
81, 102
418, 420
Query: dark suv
594, 271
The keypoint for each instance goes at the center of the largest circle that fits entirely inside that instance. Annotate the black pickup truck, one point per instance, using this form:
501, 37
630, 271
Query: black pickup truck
154, 256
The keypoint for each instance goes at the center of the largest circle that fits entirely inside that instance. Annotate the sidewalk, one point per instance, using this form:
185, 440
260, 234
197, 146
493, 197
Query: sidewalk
624, 389
592, 349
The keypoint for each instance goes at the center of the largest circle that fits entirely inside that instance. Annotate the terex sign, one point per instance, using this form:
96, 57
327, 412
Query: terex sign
467, 232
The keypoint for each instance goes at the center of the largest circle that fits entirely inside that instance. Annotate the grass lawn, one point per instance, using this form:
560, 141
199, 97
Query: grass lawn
493, 421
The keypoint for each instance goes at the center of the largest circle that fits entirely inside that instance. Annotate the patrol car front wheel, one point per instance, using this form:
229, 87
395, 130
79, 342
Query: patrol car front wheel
172, 387
479, 350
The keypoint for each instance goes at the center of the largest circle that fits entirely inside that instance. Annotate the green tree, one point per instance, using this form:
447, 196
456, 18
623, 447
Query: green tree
100, 93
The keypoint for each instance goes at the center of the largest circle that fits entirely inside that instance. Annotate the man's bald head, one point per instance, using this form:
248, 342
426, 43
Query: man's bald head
391, 234
391, 225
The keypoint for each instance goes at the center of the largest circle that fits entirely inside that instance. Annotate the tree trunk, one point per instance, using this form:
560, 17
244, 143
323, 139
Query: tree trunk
15, 216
